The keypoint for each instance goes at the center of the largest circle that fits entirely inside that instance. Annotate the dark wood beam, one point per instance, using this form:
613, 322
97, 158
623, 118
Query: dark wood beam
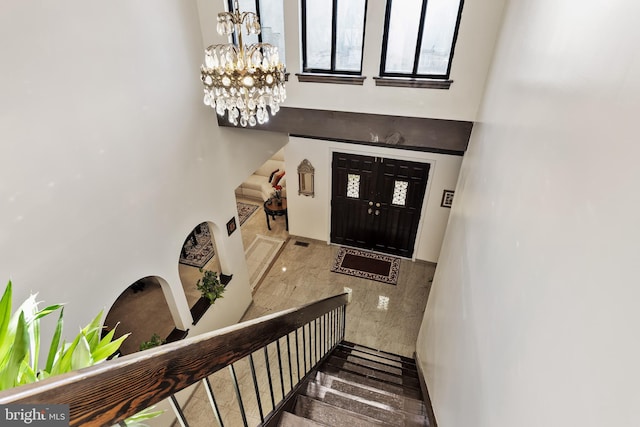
412, 133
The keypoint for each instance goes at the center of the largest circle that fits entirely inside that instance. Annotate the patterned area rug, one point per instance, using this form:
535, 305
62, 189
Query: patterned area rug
367, 265
245, 210
197, 249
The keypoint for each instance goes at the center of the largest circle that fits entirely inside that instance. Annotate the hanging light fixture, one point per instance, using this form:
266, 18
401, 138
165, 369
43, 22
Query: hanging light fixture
242, 81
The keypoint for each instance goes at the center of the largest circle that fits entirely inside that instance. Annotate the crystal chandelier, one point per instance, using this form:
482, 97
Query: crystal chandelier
242, 80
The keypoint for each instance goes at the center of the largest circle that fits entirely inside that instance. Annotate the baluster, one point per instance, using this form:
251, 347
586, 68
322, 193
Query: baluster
325, 320
178, 411
266, 360
331, 325
289, 359
315, 338
310, 346
255, 385
297, 356
320, 333
280, 367
336, 326
237, 388
344, 320
304, 350
212, 400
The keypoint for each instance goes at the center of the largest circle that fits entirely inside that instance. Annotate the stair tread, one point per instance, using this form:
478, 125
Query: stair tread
374, 372
322, 412
369, 406
394, 400
292, 420
366, 360
380, 353
359, 378
371, 356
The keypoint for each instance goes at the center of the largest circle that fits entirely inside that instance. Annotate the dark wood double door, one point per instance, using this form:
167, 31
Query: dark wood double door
376, 202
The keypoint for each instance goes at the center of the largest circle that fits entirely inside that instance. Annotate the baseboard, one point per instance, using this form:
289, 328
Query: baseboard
425, 393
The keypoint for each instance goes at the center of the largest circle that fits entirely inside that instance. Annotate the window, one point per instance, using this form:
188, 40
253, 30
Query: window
353, 185
400, 193
332, 36
271, 15
419, 38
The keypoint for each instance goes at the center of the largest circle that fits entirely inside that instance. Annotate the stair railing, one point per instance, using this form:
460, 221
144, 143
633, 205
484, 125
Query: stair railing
108, 393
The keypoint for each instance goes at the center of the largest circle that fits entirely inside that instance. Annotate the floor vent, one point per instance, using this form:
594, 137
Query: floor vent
303, 244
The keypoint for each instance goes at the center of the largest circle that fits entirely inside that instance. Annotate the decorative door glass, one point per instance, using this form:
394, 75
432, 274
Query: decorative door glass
353, 185
400, 193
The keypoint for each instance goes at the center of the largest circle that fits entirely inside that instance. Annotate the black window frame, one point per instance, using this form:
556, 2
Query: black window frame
230, 5
419, 37
334, 24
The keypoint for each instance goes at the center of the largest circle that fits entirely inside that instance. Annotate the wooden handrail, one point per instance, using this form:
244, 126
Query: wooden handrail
114, 390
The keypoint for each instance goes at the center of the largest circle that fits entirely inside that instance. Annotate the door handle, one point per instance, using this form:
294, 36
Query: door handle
371, 204
377, 212
377, 205
369, 211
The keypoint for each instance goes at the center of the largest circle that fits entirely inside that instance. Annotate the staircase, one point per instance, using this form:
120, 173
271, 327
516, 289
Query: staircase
359, 386
293, 368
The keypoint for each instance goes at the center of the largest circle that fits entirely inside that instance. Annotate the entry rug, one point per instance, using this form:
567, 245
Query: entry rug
245, 210
367, 265
260, 255
198, 248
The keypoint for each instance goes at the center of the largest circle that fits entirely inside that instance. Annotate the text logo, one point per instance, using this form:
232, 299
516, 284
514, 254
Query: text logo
34, 415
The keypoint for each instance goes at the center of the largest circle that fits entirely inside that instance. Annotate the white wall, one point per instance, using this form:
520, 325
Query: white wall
533, 315
109, 157
310, 216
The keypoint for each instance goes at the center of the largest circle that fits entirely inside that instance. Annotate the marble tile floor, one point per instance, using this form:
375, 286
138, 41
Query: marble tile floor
381, 316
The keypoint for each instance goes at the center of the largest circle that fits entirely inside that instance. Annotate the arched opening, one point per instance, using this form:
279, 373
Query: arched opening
263, 221
198, 254
142, 324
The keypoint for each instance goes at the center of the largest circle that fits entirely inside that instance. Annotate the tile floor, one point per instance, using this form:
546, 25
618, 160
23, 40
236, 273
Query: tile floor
381, 316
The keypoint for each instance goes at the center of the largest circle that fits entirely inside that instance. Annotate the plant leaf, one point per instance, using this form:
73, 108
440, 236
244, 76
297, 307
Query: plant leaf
81, 357
92, 331
145, 414
106, 350
48, 310
19, 349
34, 342
27, 375
5, 316
63, 362
55, 341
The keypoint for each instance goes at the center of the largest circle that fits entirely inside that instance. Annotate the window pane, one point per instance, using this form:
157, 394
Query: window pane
318, 23
247, 6
350, 29
353, 185
272, 21
400, 193
440, 24
401, 41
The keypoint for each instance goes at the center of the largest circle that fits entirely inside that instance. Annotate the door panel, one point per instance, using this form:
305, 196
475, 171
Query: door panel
350, 220
386, 212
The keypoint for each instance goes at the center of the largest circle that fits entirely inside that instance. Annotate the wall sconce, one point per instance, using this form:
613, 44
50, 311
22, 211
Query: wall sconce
305, 178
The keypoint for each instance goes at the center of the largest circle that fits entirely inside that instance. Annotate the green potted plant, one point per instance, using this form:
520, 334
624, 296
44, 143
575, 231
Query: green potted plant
209, 285
155, 341
20, 339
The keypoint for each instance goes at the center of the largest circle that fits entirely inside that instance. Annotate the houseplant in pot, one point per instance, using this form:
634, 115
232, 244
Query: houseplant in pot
209, 285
